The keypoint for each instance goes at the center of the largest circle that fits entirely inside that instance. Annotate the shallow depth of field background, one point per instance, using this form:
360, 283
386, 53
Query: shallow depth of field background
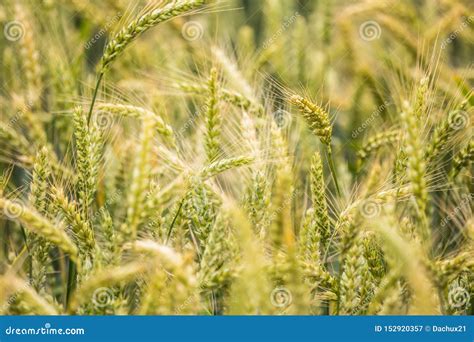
237, 157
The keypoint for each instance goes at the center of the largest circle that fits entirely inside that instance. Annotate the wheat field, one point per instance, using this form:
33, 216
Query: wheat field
233, 157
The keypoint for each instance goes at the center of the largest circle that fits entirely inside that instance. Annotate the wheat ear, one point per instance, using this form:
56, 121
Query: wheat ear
138, 26
353, 277
318, 196
462, 159
416, 167
140, 181
143, 23
88, 148
316, 117
40, 226
213, 119
318, 121
29, 55
443, 133
39, 247
140, 113
411, 267
217, 263
106, 278
222, 165
376, 142
82, 230
11, 285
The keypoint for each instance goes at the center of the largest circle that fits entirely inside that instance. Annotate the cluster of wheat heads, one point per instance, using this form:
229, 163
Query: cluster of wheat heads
313, 159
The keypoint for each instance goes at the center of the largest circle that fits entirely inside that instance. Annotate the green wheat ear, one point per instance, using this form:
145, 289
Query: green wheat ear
318, 196
140, 181
217, 263
213, 119
39, 247
88, 155
416, 167
128, 34
316, 117
462, 159
39, 225
376, 142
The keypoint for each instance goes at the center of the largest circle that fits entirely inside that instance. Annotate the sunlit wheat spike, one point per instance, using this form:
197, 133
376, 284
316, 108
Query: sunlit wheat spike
376, 142
41, 226
88, 154
13, 286
280, 231
106, 278
222, 165
213, 119
463, 158
444, 132
137, 112
38, 199
143, 23
14, 139
140, 181
424, 300
30, 55
318, 196
200, 208
226, 95
39, 182
316, 117
416, 166
257, 202
421, 94
81, 228
354, 276
218, 260
253, 282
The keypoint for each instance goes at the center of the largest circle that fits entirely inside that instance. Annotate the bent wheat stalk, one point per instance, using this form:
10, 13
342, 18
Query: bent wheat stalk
138, 26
